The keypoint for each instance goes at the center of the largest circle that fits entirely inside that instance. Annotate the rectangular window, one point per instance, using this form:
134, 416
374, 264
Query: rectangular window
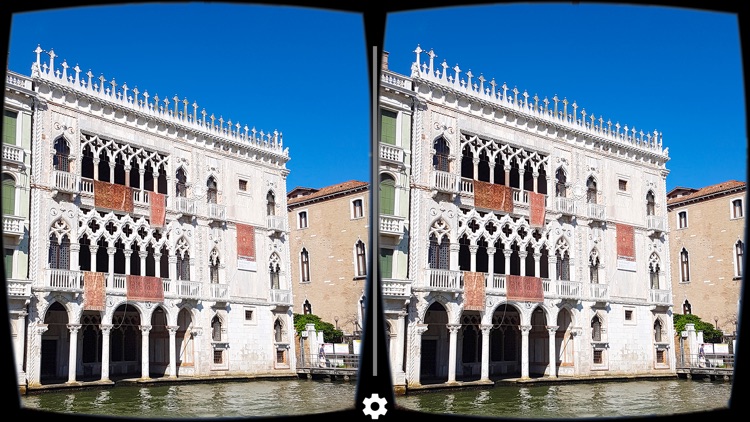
218, 356
361, 264
388, 127
302, 220
248, 314
9, 127
623, 185
737, 208
243, 185
628, 315
682, 219
660, 356
8, 261
280, 356
357, 209
598, 357
386, 263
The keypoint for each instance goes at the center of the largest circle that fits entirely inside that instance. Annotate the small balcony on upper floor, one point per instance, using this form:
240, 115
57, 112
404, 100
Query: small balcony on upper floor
276, 223
281, 298
60, 280
598, 292
563, 205
397, 289
13, 225
64, 181
656, 223
216, 211
392, 226
660, 298
176, 289
18, 289
218, 292
391, 154
440, 280
595, 211
443, 181
183, 205
13, 155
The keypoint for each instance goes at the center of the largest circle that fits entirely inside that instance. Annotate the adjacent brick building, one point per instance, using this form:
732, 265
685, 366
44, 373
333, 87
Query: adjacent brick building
328, 240
707, 247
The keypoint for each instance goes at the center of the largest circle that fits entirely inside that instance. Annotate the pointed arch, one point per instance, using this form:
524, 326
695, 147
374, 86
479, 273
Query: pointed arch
181, 182
212, 190
650, 203
61, 159
654, 268
441, 157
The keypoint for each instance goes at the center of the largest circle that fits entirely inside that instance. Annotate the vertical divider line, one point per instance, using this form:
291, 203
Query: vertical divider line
374, 213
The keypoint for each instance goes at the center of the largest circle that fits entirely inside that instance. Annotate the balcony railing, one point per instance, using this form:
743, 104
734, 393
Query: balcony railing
283, 297
13, 225
565, 205
496, 284
520, 197
466, 186
595, 211
19, 288
657, 223
598, 292
391, 153
66, 280
13, 154
184, 205
391, 225
568, 289
276, 223
395, 288
444, 181
443, 279
140, 197
87, 185
218, 292
217, 211
661, 297
64, 181
185, 288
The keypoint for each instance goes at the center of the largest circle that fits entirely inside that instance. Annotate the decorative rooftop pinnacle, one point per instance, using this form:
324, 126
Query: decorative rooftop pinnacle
271, 141
629, 135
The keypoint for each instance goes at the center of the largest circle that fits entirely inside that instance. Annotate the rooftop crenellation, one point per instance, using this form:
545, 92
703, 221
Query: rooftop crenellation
555, 110
173, 109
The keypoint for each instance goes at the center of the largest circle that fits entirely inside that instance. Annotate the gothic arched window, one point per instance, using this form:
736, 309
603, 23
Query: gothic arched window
212, 191
442, 153
650, 203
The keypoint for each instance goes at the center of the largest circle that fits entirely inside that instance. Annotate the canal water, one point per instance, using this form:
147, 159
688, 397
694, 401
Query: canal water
302, 396
579, 400
201, 400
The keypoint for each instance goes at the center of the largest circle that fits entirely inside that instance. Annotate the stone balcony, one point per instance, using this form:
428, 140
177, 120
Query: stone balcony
183, 205
13, 225
281, 298
443, 181
656, 223
276, 223
64, 181
216, 211
660, 298
391, 154
392, 226
391, 288
13, 154
18, 289
595, 212
563, 205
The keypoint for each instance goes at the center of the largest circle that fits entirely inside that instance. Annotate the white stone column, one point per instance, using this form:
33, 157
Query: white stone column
34, 366
473, 251
492, 172
111, 172
157, 264
92, 251
552, 329
106, 330
525, 351
485, 351
127, 174
145, 373
507, 176
128, 254
537, 263
521, 173
507, 253
522, 261
173, 268
552, 262
172, 350
73, 352
454, 248
141, 173
475, 161
397, 357
414, 363
75, 251
490, 266
96, 167
535, 176
143, 255
111, 262
19, 343
453, 334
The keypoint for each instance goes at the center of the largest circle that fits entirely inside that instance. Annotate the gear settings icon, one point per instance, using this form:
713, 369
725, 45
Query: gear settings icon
379, 403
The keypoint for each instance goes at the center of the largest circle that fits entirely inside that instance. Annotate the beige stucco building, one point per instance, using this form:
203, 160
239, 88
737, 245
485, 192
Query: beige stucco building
328, 241
707, 246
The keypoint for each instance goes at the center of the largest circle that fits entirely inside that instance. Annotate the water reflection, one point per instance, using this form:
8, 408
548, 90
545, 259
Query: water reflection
594, 400
231, 399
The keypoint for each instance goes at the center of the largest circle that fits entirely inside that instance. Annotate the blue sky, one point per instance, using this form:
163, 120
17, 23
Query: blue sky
678, 71
297, 70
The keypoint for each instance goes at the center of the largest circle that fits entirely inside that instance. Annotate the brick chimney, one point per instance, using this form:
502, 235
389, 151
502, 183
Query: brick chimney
385, 61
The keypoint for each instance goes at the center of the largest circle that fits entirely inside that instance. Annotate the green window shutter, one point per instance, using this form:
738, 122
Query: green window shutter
8, 262
387, 196
9, 127
386, 263
9, 195
388, 127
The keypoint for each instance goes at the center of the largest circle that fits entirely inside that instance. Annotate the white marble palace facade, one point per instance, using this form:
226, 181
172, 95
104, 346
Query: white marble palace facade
158, 237
537, 235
